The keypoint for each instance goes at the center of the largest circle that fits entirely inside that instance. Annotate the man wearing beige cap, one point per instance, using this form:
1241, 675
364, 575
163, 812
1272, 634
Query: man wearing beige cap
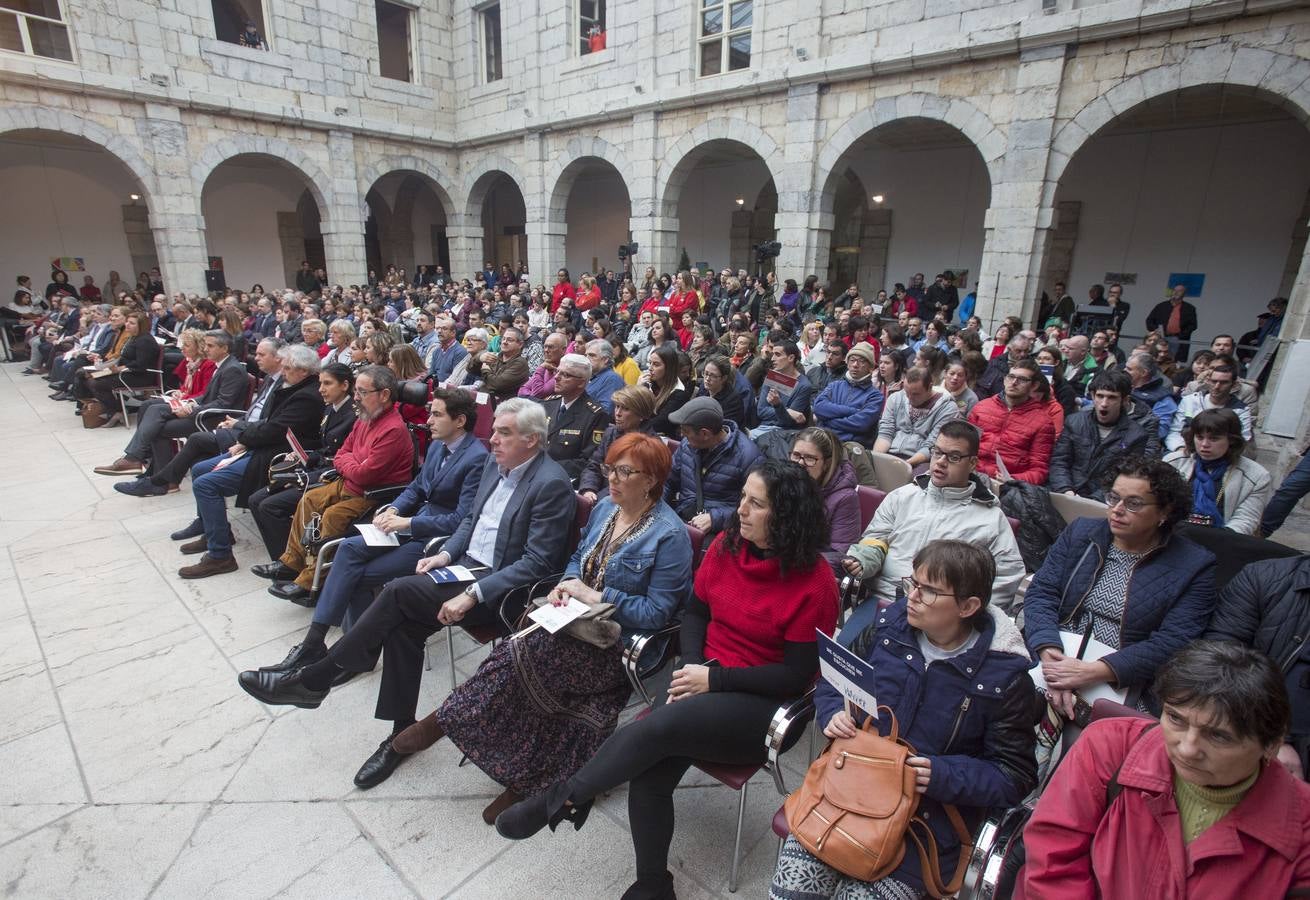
852, 405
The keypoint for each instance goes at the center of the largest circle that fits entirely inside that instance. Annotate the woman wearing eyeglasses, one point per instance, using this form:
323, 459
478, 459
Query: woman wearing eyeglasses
1129, 581
541, 704
820, 453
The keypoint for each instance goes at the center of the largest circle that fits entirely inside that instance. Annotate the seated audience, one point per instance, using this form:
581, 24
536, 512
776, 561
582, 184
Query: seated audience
758, 597
1141, 589
273, 505
992, 380
1264, 607
432, 506
500, 374
709, 466
245, 447
852, 405
448, 353
1017, 432
635, 555
377, 452
577, 421
1096, 439
954, 672
719, 381
912, 418
783, 407
955, 382
195, 370
514, 534
661, 379
1152, 391
950, 502
604, 379
130, 369
541, 384
1228, 490
1222, 379
1195, 807
819, 451
634, 406
833, 367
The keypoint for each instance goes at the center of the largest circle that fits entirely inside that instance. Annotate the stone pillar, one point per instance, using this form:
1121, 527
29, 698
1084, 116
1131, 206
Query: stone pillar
1296, 327
345, 258
465, 243
739, 240
291, 235
1017, 222
802, 229
546, 249
1062, 239
140, 239
1300, 231
176, 227
655, 233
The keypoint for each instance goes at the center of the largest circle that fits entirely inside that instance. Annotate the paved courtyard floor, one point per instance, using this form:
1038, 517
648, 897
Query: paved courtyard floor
135, 767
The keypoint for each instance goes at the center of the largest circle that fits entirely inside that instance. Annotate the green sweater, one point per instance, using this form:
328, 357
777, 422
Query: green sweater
1200, 807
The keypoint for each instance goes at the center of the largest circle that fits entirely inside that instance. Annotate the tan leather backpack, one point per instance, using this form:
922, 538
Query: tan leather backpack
856, 810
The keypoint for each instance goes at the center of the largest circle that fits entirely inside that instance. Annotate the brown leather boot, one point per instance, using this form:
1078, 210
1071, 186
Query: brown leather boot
209, 566
419, 736
507, 798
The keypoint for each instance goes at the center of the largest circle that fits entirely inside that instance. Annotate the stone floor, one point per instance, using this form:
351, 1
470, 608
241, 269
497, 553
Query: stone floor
135, 767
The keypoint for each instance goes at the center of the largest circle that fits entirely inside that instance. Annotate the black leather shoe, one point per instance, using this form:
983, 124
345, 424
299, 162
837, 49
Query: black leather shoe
194, 530
549, 808
289, 590
141, 487
378, 767
300, 656
277, 570
649, 888
280, 689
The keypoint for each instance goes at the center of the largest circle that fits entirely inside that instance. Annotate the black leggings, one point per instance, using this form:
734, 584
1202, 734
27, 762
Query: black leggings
653, 754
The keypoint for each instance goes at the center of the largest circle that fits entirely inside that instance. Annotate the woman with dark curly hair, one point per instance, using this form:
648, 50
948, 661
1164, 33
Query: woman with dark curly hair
748, 644
1128, 580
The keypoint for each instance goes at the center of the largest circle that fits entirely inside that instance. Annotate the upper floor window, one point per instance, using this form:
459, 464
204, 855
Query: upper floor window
725, 35
591, 25
395, 54
34, 27
240, 22
489, 20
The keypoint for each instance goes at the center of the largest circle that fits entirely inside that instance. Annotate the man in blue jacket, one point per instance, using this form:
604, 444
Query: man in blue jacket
852, 405
434, 504
710, 465
1152, 391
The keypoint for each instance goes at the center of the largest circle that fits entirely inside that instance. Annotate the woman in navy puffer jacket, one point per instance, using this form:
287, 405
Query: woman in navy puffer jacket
1140, 588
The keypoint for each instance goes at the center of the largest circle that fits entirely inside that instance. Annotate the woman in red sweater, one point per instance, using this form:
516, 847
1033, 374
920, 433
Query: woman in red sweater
748, 646
195, 369
563, 288
684, 297
588, 294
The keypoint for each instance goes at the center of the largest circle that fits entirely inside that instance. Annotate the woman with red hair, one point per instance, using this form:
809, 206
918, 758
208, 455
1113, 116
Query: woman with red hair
541, 704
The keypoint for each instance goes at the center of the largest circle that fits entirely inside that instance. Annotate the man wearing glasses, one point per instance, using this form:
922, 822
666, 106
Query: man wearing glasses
1017, 432
577, 422
950, 502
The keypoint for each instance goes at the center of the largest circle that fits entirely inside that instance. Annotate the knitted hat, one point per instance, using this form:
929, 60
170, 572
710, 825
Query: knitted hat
864, 351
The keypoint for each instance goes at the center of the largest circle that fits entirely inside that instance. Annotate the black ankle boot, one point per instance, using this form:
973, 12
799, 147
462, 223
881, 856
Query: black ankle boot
547, 809
651, 888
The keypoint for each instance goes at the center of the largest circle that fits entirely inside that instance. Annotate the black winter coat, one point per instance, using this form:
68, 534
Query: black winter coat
295, 406
1039, 523
1267, 606
1082, 457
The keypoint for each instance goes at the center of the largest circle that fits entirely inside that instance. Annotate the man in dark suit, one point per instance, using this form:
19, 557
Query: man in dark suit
246, 446
576, 420
433, 505
516, 533
264, 324
289, 331
1175, 318
158, 424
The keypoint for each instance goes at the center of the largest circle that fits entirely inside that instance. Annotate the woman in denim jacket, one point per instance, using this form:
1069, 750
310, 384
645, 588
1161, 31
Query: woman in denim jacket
541, 704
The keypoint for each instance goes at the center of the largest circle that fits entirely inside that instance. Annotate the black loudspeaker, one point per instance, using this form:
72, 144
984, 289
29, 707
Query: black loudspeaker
214, 280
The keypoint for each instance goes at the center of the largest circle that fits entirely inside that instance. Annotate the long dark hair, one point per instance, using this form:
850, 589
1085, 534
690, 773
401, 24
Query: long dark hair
798, 525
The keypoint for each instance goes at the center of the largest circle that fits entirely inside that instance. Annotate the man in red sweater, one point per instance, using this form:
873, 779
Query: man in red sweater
377, 452
1016, 427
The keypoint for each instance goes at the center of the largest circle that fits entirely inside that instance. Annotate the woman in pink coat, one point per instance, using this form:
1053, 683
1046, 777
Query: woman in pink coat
1195, 806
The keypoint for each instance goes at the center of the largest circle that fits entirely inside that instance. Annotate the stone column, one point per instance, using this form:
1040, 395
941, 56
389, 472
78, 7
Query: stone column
1017, 222
875, 243
803, 230
343, 224
546, 249
739, 240
1296, 327
175, 223
465, 243
655, 233
1062, 239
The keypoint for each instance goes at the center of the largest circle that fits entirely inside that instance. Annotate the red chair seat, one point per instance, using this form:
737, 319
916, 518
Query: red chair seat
780, 827
483, 634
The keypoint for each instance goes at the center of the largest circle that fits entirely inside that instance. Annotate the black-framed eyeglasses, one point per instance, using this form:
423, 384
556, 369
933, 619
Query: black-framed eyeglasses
953, 457
1132, 504
1018, 379
928, 596
619, 472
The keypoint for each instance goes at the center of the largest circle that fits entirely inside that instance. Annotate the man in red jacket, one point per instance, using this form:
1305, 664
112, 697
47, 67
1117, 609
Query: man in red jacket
377, 452
1016, 428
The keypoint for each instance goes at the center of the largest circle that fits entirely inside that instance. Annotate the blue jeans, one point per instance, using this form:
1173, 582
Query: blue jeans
211, 489
1295, 486
356, 569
